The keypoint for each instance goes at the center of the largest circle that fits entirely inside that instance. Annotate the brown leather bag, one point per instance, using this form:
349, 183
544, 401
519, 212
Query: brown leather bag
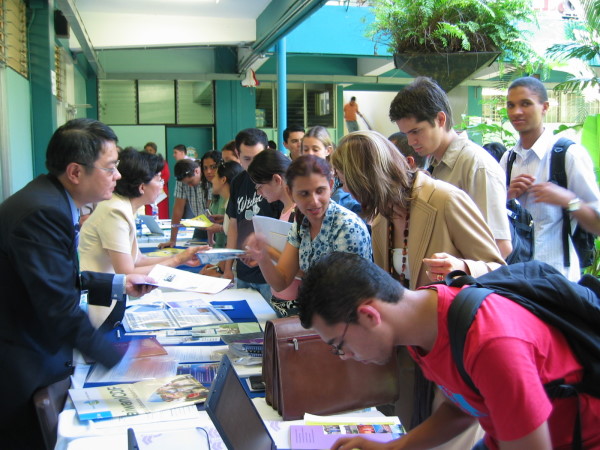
302, 375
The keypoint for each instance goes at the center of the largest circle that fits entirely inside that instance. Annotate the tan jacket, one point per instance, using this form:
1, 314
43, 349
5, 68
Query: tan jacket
442, 219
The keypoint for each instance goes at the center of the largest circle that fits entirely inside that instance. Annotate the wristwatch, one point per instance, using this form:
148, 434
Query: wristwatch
574, 205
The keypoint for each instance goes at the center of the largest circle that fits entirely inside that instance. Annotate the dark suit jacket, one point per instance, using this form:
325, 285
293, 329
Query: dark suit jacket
40, 318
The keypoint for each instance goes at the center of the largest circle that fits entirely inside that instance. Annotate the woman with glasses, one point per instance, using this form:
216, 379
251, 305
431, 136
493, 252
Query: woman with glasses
108, 240
320, 225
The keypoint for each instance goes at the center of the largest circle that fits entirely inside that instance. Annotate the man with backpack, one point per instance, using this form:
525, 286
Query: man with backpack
534, 184
510, 355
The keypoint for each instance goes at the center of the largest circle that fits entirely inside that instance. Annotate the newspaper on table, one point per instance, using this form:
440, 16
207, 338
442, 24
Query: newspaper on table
181, 280
196, 313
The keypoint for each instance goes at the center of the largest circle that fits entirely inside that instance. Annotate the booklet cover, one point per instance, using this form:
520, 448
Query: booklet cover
138, 398
181, 280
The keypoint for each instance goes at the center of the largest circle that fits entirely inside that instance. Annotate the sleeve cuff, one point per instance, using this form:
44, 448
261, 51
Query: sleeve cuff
118, 288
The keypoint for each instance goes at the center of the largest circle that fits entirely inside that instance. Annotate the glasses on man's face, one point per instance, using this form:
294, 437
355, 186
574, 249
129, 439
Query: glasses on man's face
337, 349
110, 170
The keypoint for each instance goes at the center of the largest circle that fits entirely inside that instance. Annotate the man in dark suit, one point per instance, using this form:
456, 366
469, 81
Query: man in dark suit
40, 318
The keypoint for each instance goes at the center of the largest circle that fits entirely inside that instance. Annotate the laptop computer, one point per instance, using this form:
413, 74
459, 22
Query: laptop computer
233, 414
152, 225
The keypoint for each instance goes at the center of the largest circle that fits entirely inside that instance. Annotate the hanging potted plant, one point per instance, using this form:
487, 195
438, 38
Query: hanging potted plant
449, 40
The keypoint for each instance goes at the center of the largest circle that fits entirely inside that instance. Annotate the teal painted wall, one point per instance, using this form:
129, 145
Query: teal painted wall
137, 136
161, 60
336, 30
18, 121
201, 138
41, 59
235, 109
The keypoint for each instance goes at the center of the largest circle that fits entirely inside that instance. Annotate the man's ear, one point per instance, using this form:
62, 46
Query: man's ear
278, 179
141, 188
331, 184
545, 107
411, 161
368, 314
441, 118
73, 172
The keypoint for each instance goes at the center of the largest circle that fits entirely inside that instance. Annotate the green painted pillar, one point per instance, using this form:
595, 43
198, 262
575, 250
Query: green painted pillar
41, 65
235, 109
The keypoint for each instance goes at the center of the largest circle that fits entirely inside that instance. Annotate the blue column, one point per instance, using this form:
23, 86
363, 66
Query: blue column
281, 90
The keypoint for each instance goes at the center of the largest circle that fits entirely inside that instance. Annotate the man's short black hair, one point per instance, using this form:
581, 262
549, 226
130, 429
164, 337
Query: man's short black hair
181, 148
291, 129
422, 100
185, 168
338, 283
78, 140
251, 137
137, 168
533, 84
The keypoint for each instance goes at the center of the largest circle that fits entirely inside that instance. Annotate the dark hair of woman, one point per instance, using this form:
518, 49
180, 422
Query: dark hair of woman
229, 170
136, 168
204, 183
266, 164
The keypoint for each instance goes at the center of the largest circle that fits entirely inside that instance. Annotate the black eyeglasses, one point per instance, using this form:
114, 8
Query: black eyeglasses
110, 170
337, 349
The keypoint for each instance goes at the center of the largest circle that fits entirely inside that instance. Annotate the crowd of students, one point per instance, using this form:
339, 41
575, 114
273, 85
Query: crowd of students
364, 203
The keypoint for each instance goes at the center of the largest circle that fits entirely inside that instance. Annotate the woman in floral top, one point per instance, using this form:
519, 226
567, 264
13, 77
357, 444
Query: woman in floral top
321, 226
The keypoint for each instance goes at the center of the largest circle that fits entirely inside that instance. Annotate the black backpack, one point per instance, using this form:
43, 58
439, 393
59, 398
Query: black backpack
583, 241
521, 224
572, 308
521, 221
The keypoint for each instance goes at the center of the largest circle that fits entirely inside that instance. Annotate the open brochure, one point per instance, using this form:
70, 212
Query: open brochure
322, 432
194, 313
181, 280
275, 231
138, 398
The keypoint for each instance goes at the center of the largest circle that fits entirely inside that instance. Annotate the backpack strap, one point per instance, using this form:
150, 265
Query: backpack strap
460, 317
558, 175
509, 163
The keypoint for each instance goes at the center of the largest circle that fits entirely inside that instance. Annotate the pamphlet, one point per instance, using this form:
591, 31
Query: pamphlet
138, 398
182, 280
201, 221
131, 370
216, 255
198, 313
324, 433
275, 231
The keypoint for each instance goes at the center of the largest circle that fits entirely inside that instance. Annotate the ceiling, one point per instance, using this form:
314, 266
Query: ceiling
161, 23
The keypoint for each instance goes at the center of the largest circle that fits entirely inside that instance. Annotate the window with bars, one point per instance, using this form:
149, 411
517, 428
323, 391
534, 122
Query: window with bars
307, 105
14, 35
